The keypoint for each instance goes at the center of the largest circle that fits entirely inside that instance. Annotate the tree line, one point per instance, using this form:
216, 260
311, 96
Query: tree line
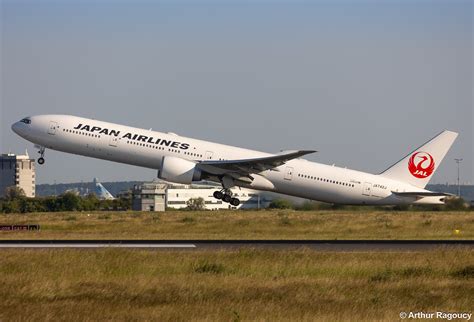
15, 201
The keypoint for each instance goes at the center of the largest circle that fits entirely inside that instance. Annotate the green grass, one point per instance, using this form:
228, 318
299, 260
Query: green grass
276, 224
246, 284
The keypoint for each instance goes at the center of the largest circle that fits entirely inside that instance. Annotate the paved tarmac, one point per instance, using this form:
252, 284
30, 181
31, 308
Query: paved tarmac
320, 245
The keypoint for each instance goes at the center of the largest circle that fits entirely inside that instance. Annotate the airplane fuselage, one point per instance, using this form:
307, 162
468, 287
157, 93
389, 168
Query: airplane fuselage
147, 148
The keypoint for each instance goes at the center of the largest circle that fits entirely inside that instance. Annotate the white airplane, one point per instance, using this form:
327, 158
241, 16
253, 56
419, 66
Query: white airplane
183, 160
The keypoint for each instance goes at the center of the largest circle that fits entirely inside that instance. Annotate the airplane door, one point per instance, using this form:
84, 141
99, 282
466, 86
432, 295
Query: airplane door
289, 173
367, 189
208, 155
114, 141
52, 128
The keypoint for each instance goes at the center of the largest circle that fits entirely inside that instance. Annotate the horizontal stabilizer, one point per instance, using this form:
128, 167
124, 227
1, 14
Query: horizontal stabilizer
422, 194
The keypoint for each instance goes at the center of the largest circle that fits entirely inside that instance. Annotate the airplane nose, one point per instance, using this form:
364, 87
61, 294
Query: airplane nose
16, 127
19, 128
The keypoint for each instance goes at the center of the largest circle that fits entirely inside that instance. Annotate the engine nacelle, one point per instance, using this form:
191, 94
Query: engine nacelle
179, 170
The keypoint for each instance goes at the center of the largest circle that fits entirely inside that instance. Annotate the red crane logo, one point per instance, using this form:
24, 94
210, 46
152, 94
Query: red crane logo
421, 164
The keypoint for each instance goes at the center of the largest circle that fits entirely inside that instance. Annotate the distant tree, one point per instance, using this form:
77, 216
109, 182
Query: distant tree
195, 204
50, 204
12, 206
26, 206
122, 203
69, 202
310, 205
280, 204
14, 193
401, 207
90, 202
455, 203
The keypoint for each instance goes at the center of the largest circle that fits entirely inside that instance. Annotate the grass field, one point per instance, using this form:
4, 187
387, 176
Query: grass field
269, 224
264, 285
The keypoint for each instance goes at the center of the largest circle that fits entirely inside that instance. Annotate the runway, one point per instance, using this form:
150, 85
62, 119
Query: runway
319, 245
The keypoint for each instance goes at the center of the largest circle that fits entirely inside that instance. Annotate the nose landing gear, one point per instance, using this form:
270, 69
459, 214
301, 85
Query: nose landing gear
226, 196
41, 158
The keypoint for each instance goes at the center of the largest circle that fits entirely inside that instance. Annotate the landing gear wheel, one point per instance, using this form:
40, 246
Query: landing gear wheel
226, 198
41, 153
234, 202
218, 195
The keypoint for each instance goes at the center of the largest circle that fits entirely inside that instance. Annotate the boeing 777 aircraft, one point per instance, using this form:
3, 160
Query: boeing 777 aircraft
183, 160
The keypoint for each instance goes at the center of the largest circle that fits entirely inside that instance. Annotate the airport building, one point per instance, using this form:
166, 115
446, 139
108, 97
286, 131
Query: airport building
179, 195
17, 171
159, 195
149, 196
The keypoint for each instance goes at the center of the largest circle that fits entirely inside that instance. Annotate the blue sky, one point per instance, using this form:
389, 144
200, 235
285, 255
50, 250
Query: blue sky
363, 82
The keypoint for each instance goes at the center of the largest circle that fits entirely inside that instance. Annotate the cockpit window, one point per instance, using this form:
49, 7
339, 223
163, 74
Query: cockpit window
26, 121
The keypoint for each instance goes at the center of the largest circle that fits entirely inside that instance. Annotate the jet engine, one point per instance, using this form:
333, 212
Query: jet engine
179, 170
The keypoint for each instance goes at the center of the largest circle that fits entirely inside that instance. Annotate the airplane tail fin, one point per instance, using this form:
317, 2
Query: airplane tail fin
418, 167
101, 192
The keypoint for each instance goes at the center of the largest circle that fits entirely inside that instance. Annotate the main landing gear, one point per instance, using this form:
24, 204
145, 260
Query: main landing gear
226, 196
41, 158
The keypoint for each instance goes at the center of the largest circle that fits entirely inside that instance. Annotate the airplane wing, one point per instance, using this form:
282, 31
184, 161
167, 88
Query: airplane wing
245, 167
